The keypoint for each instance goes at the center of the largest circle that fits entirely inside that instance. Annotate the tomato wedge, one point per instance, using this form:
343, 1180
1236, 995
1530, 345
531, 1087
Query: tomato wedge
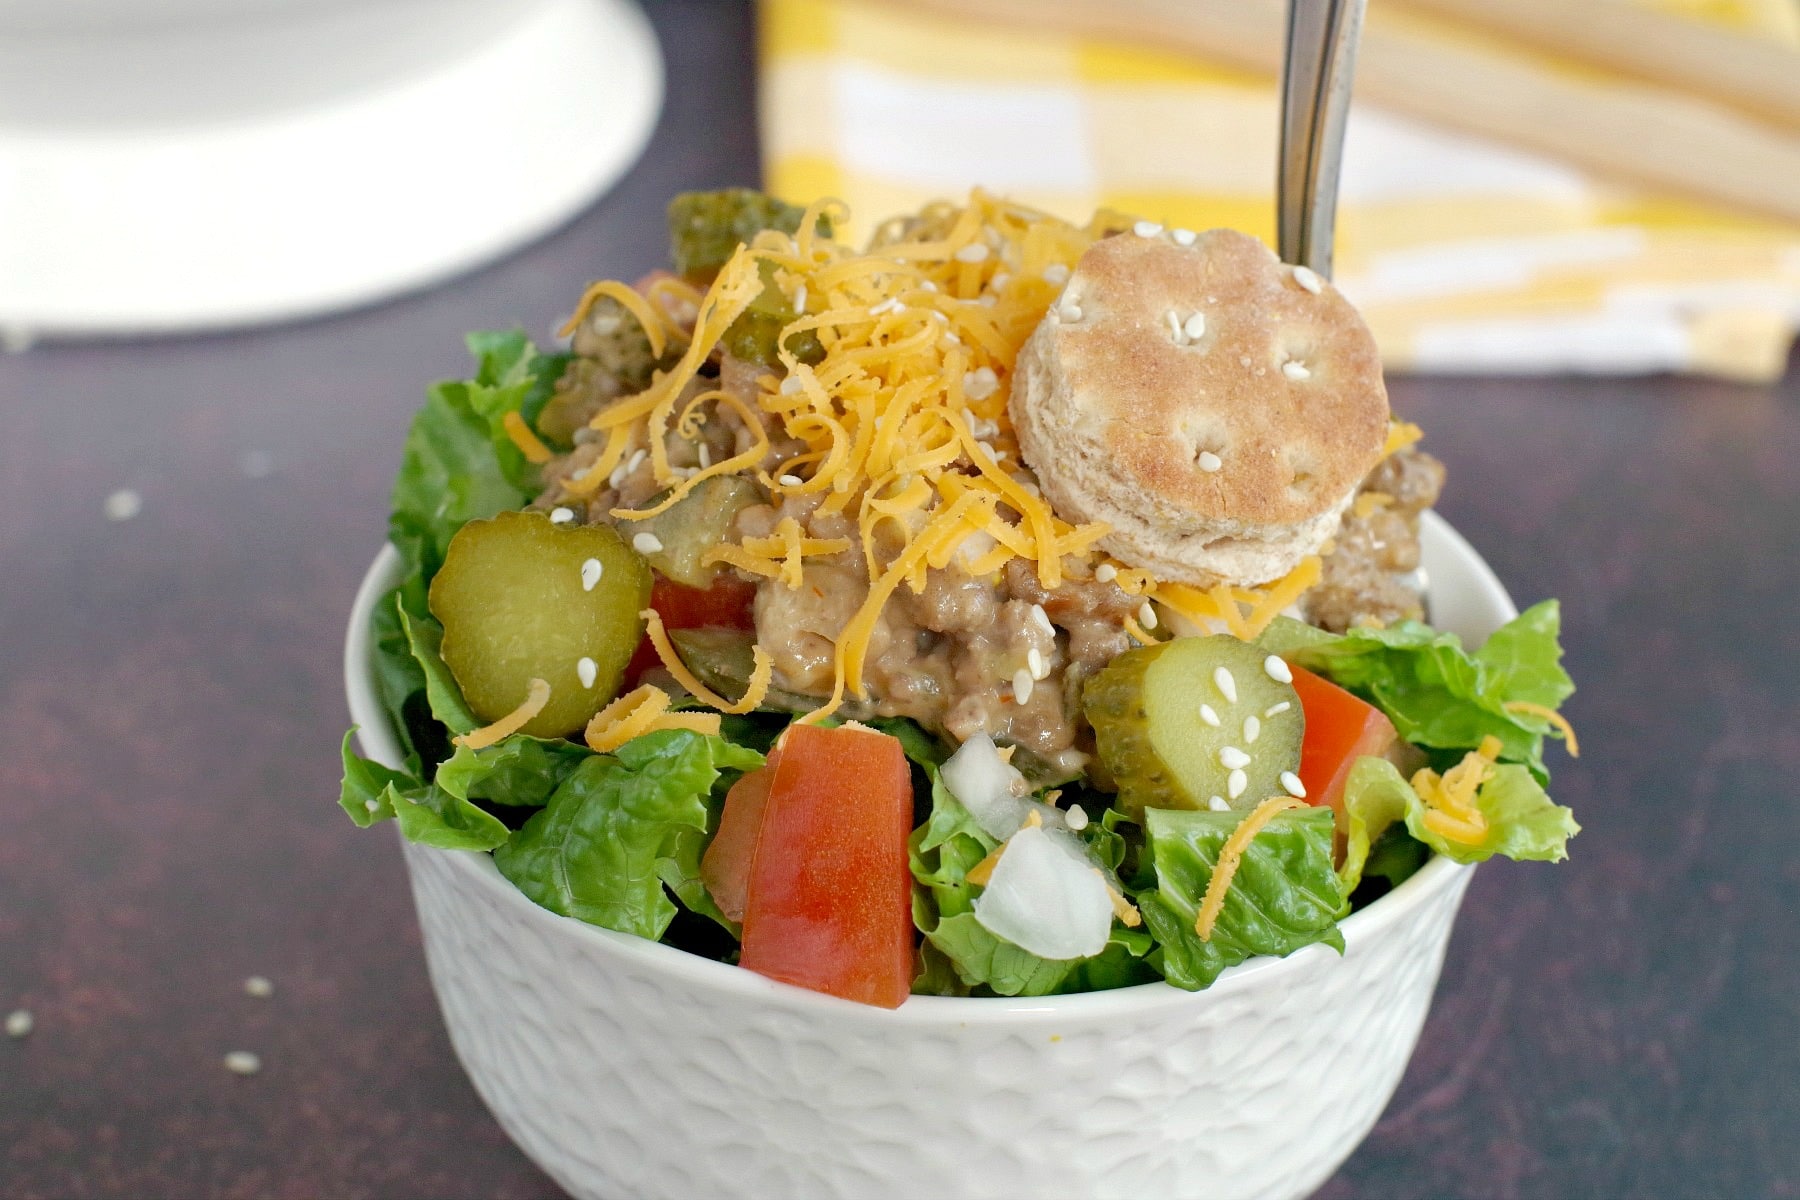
829, 902
1340, 728
725, 867
727, 602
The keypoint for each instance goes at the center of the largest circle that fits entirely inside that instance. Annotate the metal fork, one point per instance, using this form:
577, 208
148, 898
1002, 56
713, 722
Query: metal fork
1315, 98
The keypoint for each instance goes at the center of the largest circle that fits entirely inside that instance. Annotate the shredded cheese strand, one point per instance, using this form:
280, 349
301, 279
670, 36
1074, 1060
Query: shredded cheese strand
761, 674
1230, 855
1556, 719
633, 303
529, 444
537, 694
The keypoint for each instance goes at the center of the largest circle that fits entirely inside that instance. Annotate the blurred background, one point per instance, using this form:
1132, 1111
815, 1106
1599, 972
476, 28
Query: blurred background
238, 239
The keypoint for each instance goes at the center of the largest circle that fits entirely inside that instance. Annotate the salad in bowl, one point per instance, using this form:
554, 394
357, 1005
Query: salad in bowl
1004, 608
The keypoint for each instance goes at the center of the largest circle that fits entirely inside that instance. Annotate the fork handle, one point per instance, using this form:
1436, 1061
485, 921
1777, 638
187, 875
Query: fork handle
1315, 99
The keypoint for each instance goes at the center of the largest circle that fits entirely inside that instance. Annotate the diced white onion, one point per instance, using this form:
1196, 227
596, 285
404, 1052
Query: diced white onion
1046, 900
988, 786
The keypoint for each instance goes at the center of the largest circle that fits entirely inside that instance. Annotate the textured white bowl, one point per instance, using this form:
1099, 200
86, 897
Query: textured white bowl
627, 1069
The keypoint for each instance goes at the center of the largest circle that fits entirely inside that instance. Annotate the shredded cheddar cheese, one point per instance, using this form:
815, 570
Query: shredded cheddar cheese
1400, 435
760, 674
528, 442
1450, 808
655, 323
1556, 720
1230, 855
636, 713
537, 694
899, 426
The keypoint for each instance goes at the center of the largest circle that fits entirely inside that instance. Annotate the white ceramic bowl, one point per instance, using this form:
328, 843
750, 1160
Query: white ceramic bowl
627, 1069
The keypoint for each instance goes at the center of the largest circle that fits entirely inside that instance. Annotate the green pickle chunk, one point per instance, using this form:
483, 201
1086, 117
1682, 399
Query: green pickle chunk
700, 521
523, 599
1179, 723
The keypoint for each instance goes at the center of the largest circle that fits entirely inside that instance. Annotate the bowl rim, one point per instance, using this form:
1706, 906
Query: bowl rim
475, 870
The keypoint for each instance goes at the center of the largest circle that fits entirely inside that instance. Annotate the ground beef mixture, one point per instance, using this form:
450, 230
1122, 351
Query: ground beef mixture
1002, 655
1370, 576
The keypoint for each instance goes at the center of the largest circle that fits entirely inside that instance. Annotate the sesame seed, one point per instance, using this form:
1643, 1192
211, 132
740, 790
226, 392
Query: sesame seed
617, 477
1106, 572
242, 1062
1034, 661
1194, 327
791, 481
1146, 615
1209, 716
999, 281
636, 460
586, 669
1235, 783
1076, 818
1295, 371
584, 472
1056, 274
1232, 759
1069, 312
1278, 670
1022, 685
1210, 462
1252, 730
1308, 279
1217, 804
19, 1023
123, 505
1042, 619
1226, 682
372, 805
591, 570
1174, 320
1275, 710
705, 453
646, 543
791, 386
1183, 237
1146, 229
927, 285
800, 298
259, 986
561, 516
941, 319
1292, 783
974, 252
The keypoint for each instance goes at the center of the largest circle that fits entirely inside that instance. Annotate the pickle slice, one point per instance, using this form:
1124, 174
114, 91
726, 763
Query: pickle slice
698, 522
519, 600
1182, 722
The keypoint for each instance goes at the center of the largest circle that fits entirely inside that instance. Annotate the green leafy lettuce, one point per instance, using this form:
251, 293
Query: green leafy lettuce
459, 464
1284, 895
1438, 695
619, 827
1522, 822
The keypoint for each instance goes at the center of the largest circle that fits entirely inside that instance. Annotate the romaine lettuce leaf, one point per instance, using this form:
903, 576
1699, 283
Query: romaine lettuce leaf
597, 851
1522, 821
521, 771
1437, 694
441, 813
459, 464
425, 640
1284, 896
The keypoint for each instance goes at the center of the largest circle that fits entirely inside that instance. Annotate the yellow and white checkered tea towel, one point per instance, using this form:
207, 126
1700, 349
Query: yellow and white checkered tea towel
1464, 255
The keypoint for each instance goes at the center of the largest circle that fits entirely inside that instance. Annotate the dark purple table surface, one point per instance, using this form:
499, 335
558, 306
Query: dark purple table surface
1626, 1024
